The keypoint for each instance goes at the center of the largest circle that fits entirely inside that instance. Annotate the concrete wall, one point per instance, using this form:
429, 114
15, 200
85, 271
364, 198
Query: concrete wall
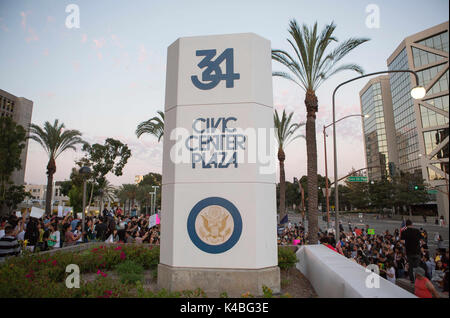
334, 276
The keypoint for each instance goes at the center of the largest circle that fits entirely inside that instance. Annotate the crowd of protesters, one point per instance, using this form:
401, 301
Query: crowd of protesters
52, 232
401, 254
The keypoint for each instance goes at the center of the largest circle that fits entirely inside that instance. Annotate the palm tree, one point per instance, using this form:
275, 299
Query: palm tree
107, 191
154, 126
285, 133
55, 140
143, 195
127, 192
313, 63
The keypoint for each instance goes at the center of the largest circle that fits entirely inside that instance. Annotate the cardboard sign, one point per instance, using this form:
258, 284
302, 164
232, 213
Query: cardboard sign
60, 211
18, 214
154, 220
36, 212
67, 210
371, 231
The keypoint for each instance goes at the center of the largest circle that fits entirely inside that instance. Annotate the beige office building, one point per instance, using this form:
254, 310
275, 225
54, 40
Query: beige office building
20, 110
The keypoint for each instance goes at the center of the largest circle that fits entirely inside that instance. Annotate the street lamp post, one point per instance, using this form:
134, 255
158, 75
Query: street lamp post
152, 194
326, 163
85, 172
417, 92
154, 198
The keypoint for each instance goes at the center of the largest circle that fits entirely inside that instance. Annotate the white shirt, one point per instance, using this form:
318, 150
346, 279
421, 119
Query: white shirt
81, 237
391, 271
110, 239
57, 244
21, 236
2, 233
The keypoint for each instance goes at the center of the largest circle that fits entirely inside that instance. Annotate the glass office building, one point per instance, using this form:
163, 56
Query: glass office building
421, 126
379, 136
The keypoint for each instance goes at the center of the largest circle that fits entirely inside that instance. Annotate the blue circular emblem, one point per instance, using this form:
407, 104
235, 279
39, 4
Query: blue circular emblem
214, 225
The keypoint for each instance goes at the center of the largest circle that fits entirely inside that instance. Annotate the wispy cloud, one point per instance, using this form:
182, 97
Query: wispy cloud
3, 25
99, 43
76, 65
23, 21
31, 35
116, 41
142, 54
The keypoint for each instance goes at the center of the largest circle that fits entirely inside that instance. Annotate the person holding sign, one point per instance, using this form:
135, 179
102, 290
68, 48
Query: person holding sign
54, 239
32, 234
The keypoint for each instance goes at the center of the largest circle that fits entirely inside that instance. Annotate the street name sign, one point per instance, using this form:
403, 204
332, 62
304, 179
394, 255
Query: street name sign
357, 179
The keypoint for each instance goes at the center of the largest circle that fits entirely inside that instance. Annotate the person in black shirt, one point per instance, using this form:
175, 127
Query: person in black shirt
411, 238
101, 229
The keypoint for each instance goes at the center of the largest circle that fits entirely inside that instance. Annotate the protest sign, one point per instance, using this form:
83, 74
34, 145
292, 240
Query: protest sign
36, 212
154, 220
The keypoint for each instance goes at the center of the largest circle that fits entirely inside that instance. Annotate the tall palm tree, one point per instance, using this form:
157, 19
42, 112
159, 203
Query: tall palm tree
107, 192
154, 126
285, 133
313, 63
55, 140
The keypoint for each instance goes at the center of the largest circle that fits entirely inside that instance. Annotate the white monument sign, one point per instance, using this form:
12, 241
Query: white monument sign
218, 226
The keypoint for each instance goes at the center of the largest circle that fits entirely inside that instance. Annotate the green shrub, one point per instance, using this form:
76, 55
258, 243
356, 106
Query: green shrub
35, 275
130, 272
267, 292
286, 258
285, 282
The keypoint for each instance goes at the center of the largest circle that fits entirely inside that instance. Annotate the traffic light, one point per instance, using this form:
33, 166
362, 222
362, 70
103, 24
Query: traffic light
416, 187
392, 171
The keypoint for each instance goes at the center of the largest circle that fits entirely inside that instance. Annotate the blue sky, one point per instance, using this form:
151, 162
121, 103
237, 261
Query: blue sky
109, 75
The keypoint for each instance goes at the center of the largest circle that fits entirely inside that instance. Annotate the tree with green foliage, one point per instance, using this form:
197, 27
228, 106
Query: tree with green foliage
409, 189
313, 63
146, 186
103, 159
127, 193
55, 139
381, 194
285, 132
12, 143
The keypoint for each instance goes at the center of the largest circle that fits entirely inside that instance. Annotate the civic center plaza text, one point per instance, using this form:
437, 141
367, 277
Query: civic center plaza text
219, 143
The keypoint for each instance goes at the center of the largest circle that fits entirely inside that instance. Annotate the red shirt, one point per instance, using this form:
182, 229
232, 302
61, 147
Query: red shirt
330, 247
420, 288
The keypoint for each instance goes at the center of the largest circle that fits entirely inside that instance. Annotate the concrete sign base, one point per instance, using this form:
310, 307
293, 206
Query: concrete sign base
214, 281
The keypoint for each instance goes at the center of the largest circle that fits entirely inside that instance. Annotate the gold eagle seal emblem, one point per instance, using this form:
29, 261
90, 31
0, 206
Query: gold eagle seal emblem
214, 225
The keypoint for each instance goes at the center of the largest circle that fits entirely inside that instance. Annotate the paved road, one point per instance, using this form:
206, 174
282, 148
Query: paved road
382, 225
